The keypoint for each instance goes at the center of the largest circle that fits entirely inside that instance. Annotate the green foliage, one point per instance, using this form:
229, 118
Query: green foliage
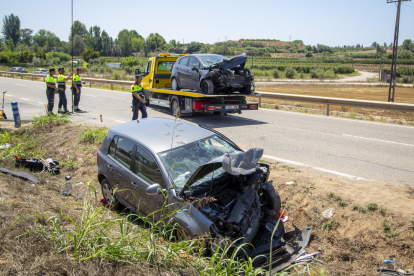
290, 73
11, 28
330, 224
193, 47
51, 119
405, 54
89, 53
275, 74
61, 57
92, 136
130, 62
70, 163
372, 207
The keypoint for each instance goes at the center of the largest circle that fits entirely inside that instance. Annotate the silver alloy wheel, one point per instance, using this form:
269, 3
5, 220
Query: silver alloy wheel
174, 84
108, 194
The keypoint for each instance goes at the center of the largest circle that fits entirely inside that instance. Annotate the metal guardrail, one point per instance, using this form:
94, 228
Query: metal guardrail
267, 95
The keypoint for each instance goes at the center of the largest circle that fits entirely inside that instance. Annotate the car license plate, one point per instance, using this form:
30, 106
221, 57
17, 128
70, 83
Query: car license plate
232, 106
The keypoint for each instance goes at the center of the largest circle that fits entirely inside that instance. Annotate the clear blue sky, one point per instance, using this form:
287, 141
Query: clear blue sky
329, 22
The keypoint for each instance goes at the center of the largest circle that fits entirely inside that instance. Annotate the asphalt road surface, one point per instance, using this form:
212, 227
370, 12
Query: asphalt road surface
351, 148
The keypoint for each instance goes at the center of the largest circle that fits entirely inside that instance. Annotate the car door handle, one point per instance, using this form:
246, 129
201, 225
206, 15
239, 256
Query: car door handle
134, 184
110, 167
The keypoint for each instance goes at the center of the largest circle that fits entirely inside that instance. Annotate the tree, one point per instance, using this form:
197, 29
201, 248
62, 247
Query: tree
78, 45
137, 44
124, 40
89, 53
106, 44
194, 47
156, 41
93, 38
408, 45
40, 37
78, 29
10, 44
11, 28
26, 36
46, 39
374, 44
405, 54
173, 42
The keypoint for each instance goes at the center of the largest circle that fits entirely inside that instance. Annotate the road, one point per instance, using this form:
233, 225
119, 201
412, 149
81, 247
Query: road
353, 148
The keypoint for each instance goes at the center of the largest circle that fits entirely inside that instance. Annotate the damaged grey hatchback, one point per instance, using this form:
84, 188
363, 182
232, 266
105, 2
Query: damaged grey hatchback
212, 187
212, 74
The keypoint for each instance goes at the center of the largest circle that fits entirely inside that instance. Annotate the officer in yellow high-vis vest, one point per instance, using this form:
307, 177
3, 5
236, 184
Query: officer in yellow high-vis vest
50, 90
63, 102
138, 98
76, 90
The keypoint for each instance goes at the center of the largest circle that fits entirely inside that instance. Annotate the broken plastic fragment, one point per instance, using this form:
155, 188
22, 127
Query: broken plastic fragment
328, 213
290, 182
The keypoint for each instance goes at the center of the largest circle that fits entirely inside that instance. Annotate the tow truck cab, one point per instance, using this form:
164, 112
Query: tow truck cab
156, 82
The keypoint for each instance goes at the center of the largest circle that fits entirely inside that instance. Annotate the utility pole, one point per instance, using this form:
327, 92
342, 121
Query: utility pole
391, 91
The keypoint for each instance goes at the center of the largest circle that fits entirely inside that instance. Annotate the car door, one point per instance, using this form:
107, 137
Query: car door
119, 168
146, 172
182, 72
193, 73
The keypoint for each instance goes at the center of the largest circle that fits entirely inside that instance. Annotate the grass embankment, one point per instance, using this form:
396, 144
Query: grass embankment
44, 232
75, 235
402, 95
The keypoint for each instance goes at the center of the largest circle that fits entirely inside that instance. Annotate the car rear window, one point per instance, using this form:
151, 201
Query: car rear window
183, 61
123, 151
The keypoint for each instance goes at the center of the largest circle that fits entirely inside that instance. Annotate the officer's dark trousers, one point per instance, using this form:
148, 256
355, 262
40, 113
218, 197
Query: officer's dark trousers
63, 101
50, 100
138, 105
76, 97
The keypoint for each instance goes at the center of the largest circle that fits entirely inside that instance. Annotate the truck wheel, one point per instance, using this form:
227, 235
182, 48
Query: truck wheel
174, 84
147, 102
207, 87
175, 108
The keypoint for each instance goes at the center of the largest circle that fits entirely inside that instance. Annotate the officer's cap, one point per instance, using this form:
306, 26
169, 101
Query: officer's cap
52, 70
78, 69
61, 68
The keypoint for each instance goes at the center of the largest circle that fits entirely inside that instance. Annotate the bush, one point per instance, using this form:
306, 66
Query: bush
93, 135
290, 73
101, 70
4, 58
275, 74
129, 62
36, 61
89, 53
308, 54
314, 74
128, 70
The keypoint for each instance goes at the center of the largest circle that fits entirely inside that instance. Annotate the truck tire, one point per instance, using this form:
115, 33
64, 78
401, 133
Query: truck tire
175, 107
174, 84
207, 87
271, 200
147, 103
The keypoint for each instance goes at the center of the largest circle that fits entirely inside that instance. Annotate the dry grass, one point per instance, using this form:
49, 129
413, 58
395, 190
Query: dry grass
402, 95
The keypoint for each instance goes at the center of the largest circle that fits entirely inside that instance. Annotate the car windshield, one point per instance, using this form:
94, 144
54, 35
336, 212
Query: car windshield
208, 60
182, 162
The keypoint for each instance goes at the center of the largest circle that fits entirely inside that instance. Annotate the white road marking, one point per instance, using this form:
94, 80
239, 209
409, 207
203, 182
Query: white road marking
119, 121
315, 168
378, 140
25, 99
9, 95
19, 84
88, 95
40, 102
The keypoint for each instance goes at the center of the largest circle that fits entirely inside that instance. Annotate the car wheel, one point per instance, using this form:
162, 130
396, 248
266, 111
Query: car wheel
247, 90
174, 84
109, 196
175, 108
207, 87
271, 200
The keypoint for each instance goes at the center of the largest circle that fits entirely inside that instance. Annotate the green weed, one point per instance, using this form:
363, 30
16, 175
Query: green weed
372, 207
382, 211
70, 163
342, 203
330, 224
352, 115
50, 119
93, 135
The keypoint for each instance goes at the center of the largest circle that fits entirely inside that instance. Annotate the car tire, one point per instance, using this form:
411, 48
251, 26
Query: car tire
207, 87
109, 196
270, 199
174, 85
247, 90
175, 108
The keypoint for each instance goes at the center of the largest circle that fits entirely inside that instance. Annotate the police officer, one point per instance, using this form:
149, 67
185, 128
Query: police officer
138, 99
63, 102
76, 89
51, 89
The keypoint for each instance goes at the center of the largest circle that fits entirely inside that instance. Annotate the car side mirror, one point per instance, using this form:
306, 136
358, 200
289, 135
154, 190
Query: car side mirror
155, 189
137, 72
194, 69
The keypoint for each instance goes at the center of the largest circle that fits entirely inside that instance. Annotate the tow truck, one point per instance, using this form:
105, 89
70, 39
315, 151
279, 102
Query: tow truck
157, 87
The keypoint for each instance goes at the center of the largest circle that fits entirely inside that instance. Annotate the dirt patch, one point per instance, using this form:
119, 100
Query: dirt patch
403, 95
352, 242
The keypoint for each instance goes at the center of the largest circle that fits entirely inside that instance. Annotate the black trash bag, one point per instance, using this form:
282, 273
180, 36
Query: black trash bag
37, 165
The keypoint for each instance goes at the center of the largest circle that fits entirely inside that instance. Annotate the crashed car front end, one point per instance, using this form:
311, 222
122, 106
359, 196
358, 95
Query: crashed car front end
242, 205
230, 76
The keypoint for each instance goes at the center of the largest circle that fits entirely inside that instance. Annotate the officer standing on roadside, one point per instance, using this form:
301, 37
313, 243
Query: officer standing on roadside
63, 102
76, 89
50, 90
138, 99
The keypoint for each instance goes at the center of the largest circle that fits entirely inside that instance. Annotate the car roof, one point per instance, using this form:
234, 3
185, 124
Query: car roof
160, 134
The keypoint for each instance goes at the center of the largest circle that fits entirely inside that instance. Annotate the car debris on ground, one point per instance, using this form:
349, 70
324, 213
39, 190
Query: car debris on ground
23, 175
40, 164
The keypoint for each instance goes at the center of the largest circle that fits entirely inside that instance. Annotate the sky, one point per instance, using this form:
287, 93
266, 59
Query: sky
328, 22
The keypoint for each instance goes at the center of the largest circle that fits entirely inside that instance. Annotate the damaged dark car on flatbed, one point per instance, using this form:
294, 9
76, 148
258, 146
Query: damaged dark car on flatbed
212, 74
212, 187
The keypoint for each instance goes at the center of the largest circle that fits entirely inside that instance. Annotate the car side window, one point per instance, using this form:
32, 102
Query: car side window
112, 146
183, 61
146, 167
193, 62
148, 67
123, 152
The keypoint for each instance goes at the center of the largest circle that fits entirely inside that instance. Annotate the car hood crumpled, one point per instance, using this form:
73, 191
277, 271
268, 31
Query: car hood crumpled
234, 62
235, 163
